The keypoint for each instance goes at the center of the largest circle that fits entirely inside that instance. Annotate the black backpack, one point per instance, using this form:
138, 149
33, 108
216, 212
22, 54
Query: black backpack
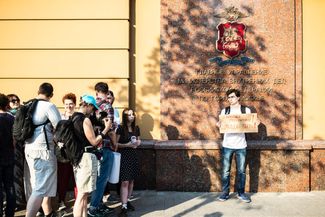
71, 147
24, 127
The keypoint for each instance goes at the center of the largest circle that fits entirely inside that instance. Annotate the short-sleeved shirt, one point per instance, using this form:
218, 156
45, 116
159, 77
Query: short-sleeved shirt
6, 141
105, 106
235, 140
130, 168
44, 111
126, 137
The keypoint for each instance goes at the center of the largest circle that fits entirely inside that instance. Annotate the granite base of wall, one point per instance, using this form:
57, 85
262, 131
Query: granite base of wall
272, 166
317, 169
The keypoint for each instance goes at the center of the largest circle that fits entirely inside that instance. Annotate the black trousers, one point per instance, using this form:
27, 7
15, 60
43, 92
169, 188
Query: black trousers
7, 182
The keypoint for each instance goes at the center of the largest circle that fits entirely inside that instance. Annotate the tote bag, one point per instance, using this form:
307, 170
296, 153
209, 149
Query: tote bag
115, 172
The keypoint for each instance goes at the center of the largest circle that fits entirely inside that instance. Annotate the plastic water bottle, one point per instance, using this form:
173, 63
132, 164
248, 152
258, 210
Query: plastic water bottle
133, 139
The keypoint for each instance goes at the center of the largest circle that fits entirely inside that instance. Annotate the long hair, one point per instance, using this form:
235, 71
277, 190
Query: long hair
125, 115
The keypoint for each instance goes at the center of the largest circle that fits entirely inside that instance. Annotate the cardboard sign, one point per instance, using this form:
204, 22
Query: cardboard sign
243, 123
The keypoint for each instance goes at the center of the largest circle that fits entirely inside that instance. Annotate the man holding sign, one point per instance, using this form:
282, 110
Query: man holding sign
234, 121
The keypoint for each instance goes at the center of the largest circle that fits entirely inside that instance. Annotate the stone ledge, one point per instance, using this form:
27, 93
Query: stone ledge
147, 144
195, 165
216, 144
280, 144
317, 144
188, 144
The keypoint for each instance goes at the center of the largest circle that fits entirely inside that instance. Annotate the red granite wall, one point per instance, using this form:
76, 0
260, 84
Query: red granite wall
193, 86
318, 168
272, 166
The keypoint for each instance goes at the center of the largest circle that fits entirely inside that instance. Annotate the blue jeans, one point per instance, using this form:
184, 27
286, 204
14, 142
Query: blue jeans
104, 170
227, 154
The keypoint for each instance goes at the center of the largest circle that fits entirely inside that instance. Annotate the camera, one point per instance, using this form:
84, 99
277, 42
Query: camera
102, 116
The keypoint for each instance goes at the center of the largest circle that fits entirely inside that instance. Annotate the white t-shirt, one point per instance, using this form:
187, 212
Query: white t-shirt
44, 110
234, 140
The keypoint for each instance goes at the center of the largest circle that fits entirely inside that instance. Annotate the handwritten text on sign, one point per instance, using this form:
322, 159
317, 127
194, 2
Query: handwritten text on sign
243, 123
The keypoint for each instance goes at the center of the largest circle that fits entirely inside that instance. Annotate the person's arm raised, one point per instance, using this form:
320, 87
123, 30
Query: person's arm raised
90, 134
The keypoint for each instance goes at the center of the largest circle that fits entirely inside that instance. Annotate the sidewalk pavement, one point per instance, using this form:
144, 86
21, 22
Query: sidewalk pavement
203, 204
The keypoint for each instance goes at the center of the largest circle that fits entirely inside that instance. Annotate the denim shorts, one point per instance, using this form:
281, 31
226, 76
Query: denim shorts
43, 172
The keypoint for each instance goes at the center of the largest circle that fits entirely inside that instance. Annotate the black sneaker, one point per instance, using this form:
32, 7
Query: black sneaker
113, 198
130, 206
91, 213
223, 197
105, 209
94, 213
123, 212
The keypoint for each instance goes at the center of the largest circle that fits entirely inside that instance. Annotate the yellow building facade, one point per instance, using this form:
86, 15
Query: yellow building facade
74, 44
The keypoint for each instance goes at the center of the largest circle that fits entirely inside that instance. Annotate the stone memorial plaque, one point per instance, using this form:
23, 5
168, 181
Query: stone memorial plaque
208, 47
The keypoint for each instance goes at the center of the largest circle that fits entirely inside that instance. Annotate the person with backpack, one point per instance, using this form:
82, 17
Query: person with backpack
7, 158
85, 169
234, 143
39, 150
97, 207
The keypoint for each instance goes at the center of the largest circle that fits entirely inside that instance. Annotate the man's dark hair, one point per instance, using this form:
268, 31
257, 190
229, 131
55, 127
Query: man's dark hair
101, 87
230, 91
46, 89
4, 102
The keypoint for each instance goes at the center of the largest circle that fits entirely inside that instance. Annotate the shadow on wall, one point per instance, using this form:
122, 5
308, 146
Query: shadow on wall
172, 132
181, 40
188, 39
147, 123
149, 92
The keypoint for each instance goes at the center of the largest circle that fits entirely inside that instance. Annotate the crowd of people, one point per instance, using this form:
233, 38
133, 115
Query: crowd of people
34, 171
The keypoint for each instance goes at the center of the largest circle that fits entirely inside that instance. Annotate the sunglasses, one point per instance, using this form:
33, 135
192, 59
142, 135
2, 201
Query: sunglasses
82, 103
14, 100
